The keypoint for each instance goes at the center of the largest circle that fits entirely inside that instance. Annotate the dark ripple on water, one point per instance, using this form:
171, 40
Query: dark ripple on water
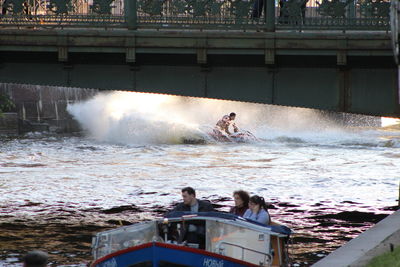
22, 165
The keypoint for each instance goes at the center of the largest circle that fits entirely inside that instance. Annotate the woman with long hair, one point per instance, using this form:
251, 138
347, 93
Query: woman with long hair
241, 199
257, 210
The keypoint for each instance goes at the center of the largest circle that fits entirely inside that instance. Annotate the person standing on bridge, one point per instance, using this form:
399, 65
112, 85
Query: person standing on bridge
257, 9
224, 123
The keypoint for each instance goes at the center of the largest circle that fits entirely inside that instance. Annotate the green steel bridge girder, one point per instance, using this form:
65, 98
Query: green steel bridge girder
349, 72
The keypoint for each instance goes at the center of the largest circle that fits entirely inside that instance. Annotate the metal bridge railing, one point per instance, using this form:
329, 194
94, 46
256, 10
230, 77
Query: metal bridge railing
62, 13
334, 14
201, 14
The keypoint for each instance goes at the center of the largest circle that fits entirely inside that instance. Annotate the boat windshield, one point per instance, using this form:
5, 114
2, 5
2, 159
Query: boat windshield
111, 241
238, 242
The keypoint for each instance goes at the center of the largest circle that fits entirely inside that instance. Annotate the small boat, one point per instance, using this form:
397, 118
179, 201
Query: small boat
203, 239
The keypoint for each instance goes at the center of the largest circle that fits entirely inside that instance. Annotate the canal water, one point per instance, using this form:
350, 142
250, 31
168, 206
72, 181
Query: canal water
325, 180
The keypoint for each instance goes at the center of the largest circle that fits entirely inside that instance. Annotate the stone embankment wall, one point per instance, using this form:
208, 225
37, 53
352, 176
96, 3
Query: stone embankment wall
42, 108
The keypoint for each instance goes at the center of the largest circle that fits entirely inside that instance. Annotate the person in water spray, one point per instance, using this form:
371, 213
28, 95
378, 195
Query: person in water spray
224, 123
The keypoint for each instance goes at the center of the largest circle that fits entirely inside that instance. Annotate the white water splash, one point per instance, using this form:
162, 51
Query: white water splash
140, 118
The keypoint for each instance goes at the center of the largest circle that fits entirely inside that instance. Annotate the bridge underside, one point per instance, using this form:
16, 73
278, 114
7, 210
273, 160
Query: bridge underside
363, 86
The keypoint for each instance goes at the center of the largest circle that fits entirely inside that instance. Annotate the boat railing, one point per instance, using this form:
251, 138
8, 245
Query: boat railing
267, 256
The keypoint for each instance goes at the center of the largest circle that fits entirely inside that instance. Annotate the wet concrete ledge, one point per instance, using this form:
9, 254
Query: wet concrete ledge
359, 251
9, 123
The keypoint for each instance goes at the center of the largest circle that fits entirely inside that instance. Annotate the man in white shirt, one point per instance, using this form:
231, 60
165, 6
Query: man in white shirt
224, 123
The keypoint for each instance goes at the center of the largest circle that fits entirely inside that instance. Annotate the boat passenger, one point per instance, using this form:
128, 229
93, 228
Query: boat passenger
35, 258
257, 210
191, 203
241, 199
224, 123
194, 232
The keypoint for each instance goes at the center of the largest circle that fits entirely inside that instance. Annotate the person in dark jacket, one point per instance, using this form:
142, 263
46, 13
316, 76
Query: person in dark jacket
191, 203
35, 258
257, 9
194, 232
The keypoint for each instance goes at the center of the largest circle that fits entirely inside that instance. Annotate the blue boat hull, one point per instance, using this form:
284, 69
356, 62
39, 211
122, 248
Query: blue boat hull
162, 254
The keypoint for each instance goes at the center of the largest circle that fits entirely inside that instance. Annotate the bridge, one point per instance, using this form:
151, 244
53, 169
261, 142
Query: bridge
329, 54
